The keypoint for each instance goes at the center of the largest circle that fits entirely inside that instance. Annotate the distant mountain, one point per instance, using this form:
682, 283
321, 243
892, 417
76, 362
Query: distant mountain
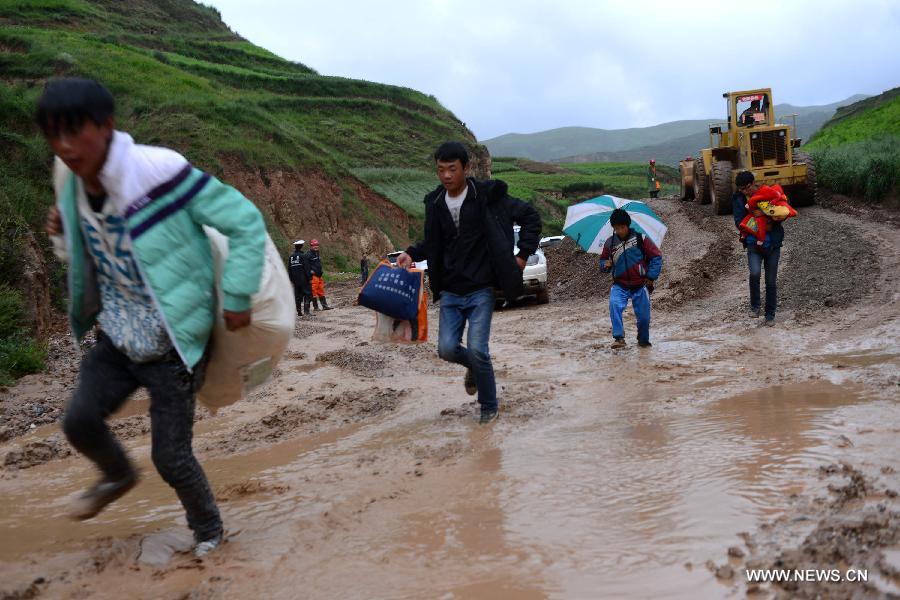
666, 142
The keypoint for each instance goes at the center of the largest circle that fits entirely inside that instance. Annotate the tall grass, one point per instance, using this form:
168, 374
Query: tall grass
870, 168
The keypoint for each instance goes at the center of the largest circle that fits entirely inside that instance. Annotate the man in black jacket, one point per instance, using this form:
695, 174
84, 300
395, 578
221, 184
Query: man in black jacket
300, 277
469, 244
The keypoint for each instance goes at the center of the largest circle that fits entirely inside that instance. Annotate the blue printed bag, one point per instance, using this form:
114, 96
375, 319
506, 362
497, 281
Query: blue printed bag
393, 291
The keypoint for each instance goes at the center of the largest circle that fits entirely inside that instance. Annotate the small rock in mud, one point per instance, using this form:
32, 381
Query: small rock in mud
361, 363
304, 329
247, 488
725, 572
735, 552
37, 453
316, 414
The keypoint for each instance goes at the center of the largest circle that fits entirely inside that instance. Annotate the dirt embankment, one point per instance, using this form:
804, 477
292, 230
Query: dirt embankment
346, 217
828, 261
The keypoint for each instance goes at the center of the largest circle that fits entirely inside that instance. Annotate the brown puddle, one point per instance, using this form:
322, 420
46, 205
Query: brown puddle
608, 497
604, 503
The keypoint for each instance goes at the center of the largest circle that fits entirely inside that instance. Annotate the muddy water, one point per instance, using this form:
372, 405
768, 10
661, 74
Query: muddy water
575, 505
594, 497
608, 499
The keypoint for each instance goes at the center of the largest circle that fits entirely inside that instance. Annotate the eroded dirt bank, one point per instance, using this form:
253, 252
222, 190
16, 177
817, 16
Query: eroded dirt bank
359, 471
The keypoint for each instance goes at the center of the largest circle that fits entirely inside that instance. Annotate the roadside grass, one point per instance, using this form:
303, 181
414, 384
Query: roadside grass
868, 168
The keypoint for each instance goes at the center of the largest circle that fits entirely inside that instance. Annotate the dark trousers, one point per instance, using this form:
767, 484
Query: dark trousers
106, 380
756, 259
302, 297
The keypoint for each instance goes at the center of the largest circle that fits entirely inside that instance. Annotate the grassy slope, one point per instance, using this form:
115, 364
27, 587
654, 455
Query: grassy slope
553, 188
194, 85
857, 153
183, 79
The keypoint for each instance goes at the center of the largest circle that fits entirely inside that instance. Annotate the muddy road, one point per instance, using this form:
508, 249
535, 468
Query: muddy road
360, 472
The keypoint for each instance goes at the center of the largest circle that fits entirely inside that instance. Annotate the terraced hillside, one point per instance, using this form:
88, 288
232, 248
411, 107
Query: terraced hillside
303, 146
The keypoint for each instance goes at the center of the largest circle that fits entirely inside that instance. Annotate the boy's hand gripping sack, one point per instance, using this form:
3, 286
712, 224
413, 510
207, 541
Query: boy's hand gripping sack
243, 359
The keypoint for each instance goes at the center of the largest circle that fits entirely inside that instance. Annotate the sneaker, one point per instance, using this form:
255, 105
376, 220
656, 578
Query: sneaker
645, 344
206, 546
469, 382
90, 503
754, 313
488, 415
770, 322
619, 342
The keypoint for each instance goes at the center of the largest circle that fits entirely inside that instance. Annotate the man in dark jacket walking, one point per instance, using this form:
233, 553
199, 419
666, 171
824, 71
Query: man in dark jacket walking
300, 277
469, 244
766, 255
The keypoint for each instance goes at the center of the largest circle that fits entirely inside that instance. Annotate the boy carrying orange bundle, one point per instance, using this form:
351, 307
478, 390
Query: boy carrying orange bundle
769, 202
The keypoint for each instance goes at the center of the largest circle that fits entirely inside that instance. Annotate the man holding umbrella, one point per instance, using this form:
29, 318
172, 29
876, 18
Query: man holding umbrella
635, 262
626, 234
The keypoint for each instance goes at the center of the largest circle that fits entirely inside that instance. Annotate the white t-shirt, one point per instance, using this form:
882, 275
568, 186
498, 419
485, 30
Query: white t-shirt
454, 203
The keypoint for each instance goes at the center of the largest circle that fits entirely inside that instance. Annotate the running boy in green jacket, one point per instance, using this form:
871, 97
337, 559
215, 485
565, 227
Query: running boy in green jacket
129, 221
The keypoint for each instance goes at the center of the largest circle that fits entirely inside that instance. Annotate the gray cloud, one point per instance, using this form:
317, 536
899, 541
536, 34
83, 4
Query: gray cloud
521, 66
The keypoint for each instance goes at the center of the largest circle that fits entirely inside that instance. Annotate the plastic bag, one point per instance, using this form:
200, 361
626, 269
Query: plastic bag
400, 302
243, 359
393, 291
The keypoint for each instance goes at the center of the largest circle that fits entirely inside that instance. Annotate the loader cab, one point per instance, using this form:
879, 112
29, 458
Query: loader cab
753, 109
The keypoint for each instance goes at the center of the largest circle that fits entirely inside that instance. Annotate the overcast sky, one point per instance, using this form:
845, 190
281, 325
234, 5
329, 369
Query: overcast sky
522, 66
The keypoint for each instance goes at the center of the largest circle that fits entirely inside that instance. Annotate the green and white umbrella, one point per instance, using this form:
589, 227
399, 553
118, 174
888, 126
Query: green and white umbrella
588, 222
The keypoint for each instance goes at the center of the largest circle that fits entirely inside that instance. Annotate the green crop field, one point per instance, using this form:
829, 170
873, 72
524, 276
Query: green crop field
554, 187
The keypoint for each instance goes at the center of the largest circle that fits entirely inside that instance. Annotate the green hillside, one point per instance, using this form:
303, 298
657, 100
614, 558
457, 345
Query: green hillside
183, 79
857, 152
667, 142
552, 188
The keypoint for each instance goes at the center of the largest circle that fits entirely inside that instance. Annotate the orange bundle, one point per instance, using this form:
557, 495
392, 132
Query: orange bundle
769, 202
772, 202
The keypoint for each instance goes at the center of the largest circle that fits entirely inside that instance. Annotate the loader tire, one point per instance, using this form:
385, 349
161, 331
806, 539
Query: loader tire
805, 195
701, 184
721, 187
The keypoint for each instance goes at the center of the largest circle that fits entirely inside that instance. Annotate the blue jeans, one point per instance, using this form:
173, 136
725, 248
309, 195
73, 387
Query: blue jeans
477, 308
107, 379
756, 260
640, 302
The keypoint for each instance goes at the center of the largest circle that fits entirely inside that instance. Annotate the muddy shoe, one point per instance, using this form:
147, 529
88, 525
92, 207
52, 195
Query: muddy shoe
770, 322
89, 504
645, 344
754, 313
206, 546
619, 342
469, 382
488, 414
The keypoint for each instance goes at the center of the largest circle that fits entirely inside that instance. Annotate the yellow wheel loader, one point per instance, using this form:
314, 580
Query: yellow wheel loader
751, 140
